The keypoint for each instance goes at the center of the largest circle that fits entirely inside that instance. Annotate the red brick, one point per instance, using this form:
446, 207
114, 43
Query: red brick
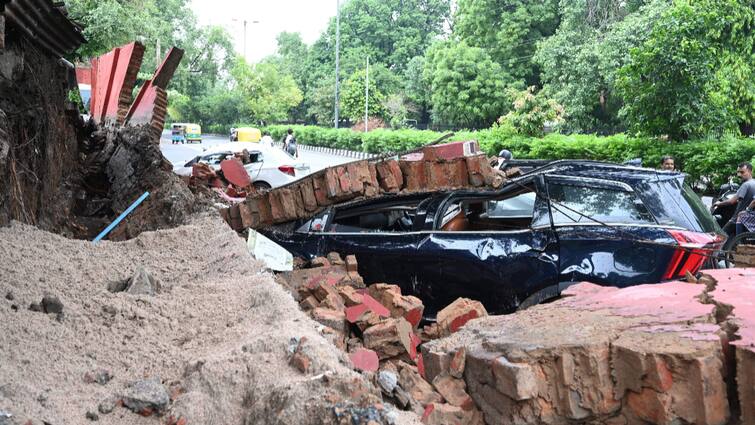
406, 306
350, 296
332, 183
384, 339
288, 203
308, 195
321, 190
389, 175
309, 303
414, 175
419, 389
375, 306
373, 189
248, 219
334, 319
351, 263
356, 172
479, 170
319, 262
454, 390
458, 313
516, 380
364, 359
458, 361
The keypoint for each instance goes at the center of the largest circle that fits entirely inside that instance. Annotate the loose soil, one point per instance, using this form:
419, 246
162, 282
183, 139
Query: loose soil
217, 335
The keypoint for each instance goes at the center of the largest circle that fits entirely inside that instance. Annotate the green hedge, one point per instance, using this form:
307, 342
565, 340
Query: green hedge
708, 162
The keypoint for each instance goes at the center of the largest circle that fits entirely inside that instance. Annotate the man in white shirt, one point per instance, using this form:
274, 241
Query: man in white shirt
266, 139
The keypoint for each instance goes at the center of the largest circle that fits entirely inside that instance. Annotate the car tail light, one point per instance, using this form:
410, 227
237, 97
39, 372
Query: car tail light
287, 169
696, 247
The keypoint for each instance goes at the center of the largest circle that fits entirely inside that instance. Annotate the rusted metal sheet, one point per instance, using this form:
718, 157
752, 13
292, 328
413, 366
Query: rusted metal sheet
113, 78
45, 24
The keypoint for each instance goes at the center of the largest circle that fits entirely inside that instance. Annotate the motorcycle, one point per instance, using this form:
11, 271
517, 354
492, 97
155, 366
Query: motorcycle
723, 213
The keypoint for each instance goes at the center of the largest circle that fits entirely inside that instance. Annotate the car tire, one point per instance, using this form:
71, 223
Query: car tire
545, 294
261, 185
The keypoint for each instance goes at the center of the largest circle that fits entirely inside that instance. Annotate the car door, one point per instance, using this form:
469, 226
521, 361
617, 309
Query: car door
606, 234
500, 268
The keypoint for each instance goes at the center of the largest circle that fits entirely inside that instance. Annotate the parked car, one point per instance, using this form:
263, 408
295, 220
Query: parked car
269, 167
559, 223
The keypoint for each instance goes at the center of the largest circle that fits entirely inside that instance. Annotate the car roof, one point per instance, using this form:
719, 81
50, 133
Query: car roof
596, 170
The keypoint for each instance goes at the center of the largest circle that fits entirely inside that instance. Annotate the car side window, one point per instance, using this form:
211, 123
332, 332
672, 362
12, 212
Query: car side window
214, 159
256, 157
572, 204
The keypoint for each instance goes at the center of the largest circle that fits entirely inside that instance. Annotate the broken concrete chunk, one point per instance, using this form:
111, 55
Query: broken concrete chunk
458, 361
142, 283
420, 391
458, 313
387, 381
146, 397
335, 259
319, 262
444, 414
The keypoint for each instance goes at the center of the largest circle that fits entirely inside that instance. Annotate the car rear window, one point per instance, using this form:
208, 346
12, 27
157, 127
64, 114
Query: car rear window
589, 205
674, 203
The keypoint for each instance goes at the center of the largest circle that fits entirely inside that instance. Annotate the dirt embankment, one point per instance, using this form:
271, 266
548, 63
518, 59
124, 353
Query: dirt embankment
38, 138
216, 336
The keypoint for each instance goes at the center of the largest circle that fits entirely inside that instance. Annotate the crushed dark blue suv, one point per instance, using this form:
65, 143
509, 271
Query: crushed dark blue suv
558, 223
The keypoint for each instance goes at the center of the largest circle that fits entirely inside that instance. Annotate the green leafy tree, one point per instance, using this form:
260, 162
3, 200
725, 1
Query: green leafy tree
579, 62
352, 100
417, 89
531, 112
508, 30
693, 76
467, 86
270, 95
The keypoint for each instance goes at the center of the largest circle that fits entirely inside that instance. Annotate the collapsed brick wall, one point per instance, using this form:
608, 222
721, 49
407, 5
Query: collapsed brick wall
38, 137
361, 179
660, 354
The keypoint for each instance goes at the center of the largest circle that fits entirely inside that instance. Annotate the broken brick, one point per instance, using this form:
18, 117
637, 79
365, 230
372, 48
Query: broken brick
458, 313
389, 176
458, 361
351, 263
365, 360
334, 319
309, 303
319, 262
406, 306
306, 188
350, 296
384, 338
454, 391
414, 175
420, 391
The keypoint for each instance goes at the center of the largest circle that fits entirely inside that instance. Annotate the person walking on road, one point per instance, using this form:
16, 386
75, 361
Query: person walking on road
266, 140
743, 200
290, 144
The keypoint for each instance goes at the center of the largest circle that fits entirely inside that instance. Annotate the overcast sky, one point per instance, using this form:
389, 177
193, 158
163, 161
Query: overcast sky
308, 17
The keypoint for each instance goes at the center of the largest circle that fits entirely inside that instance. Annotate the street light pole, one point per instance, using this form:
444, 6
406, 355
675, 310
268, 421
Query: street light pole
367, 94
338, 47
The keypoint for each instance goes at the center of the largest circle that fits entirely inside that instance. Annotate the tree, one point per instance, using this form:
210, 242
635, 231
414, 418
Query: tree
352, 99
467, 86
579, 62
531, 112
269, 94
509, 31
693, 76
417, 89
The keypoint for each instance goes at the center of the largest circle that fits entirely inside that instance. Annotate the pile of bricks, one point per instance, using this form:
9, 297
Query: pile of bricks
361, 180
379, 328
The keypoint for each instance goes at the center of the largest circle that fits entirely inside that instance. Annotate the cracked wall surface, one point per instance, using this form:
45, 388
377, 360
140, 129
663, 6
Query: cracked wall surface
678, 352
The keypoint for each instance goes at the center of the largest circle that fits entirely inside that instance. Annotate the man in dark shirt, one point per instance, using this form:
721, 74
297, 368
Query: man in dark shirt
745, 194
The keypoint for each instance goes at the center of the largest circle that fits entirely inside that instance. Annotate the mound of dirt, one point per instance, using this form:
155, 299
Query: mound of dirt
217, 336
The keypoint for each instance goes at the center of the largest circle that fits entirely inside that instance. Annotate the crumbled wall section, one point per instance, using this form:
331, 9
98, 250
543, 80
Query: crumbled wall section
645, 354
38, 140
361, 179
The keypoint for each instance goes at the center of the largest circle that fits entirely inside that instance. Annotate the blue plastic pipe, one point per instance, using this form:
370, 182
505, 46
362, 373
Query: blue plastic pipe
120, 218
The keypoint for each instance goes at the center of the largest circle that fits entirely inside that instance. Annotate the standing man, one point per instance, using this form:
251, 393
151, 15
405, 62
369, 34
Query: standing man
266, 140
667, 163
744, 198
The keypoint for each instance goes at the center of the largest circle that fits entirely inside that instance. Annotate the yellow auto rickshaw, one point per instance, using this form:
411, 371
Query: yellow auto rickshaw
247, 134
186, 132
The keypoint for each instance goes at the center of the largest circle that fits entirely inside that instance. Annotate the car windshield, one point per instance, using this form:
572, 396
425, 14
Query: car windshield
590, 205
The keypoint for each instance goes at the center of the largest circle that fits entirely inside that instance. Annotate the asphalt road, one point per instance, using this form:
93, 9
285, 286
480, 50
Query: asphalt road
180, 154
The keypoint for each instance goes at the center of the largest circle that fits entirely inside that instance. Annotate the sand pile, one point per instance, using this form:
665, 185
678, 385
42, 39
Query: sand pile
211, 344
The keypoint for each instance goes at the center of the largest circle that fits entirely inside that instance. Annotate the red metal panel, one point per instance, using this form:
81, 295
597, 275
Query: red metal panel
84, 74
113, 79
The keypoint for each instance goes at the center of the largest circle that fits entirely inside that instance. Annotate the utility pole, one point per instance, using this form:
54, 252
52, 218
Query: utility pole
338, 47
157, 53
367, 94
244, 39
